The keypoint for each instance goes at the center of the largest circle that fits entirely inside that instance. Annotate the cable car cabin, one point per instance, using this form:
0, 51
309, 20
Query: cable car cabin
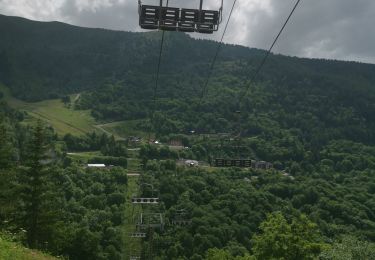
167, 18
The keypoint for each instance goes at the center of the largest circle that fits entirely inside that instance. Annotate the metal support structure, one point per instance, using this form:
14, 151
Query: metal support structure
180, 218
160, 12
145, 200
150, 185
181, 222
151, 252
153, 17
151, 220
221, 11
138, 235
145, 222
200, 11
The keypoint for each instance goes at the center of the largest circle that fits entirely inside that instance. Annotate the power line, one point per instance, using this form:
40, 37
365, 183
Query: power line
204, 89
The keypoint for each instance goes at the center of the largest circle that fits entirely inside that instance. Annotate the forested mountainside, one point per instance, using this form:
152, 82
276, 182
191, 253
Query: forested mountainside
44, 60
57, 58
51, 202
314, 120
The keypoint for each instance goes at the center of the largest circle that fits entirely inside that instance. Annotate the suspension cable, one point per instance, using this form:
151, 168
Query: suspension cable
259, 68
205, 86
257, 71
155, 92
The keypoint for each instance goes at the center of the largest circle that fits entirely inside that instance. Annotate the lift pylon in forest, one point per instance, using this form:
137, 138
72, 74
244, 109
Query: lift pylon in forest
150, 199
145, 200
138, 235
151, 220
180, 218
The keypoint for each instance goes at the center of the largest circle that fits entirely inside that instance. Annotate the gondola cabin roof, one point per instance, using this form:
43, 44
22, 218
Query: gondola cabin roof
162, 17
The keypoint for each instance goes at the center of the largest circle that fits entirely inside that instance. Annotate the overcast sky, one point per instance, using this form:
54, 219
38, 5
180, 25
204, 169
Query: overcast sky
337, 29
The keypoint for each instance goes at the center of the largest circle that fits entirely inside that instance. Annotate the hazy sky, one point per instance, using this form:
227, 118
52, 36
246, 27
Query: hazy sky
339, 29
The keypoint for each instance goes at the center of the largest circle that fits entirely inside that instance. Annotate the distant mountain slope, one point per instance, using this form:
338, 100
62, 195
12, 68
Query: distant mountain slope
317, 100
41, 60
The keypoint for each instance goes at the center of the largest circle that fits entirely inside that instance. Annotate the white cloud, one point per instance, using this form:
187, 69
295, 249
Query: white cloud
340, 29
44, 10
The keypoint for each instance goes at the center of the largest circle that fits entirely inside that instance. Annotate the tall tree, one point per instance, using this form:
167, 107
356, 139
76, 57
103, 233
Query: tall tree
280, 240
37, 188
6, 174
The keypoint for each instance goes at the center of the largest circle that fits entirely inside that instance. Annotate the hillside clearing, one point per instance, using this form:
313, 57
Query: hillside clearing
10, 250
62, 118
125, 129
66, 120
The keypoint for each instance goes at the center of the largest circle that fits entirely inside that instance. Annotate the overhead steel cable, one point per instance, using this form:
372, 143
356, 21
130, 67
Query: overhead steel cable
155, 93
257, 71
259, 68
205, 86
158, 72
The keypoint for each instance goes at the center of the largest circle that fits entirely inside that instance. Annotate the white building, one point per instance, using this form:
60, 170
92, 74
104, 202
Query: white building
96, 165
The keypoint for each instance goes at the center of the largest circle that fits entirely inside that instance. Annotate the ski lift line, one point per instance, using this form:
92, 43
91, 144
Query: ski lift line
257, 71
204, 90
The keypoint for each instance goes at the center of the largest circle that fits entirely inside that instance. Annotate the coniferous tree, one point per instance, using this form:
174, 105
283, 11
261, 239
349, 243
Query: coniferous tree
39, 190
5, 147
34, 185
6, 175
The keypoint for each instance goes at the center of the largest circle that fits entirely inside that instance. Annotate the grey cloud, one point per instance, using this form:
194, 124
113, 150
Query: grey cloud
338, 29
119, 15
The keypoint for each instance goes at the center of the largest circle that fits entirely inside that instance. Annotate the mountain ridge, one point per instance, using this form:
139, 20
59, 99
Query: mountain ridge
55, 59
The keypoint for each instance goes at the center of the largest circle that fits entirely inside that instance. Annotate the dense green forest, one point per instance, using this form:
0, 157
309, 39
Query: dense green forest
314, 120
51, 203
